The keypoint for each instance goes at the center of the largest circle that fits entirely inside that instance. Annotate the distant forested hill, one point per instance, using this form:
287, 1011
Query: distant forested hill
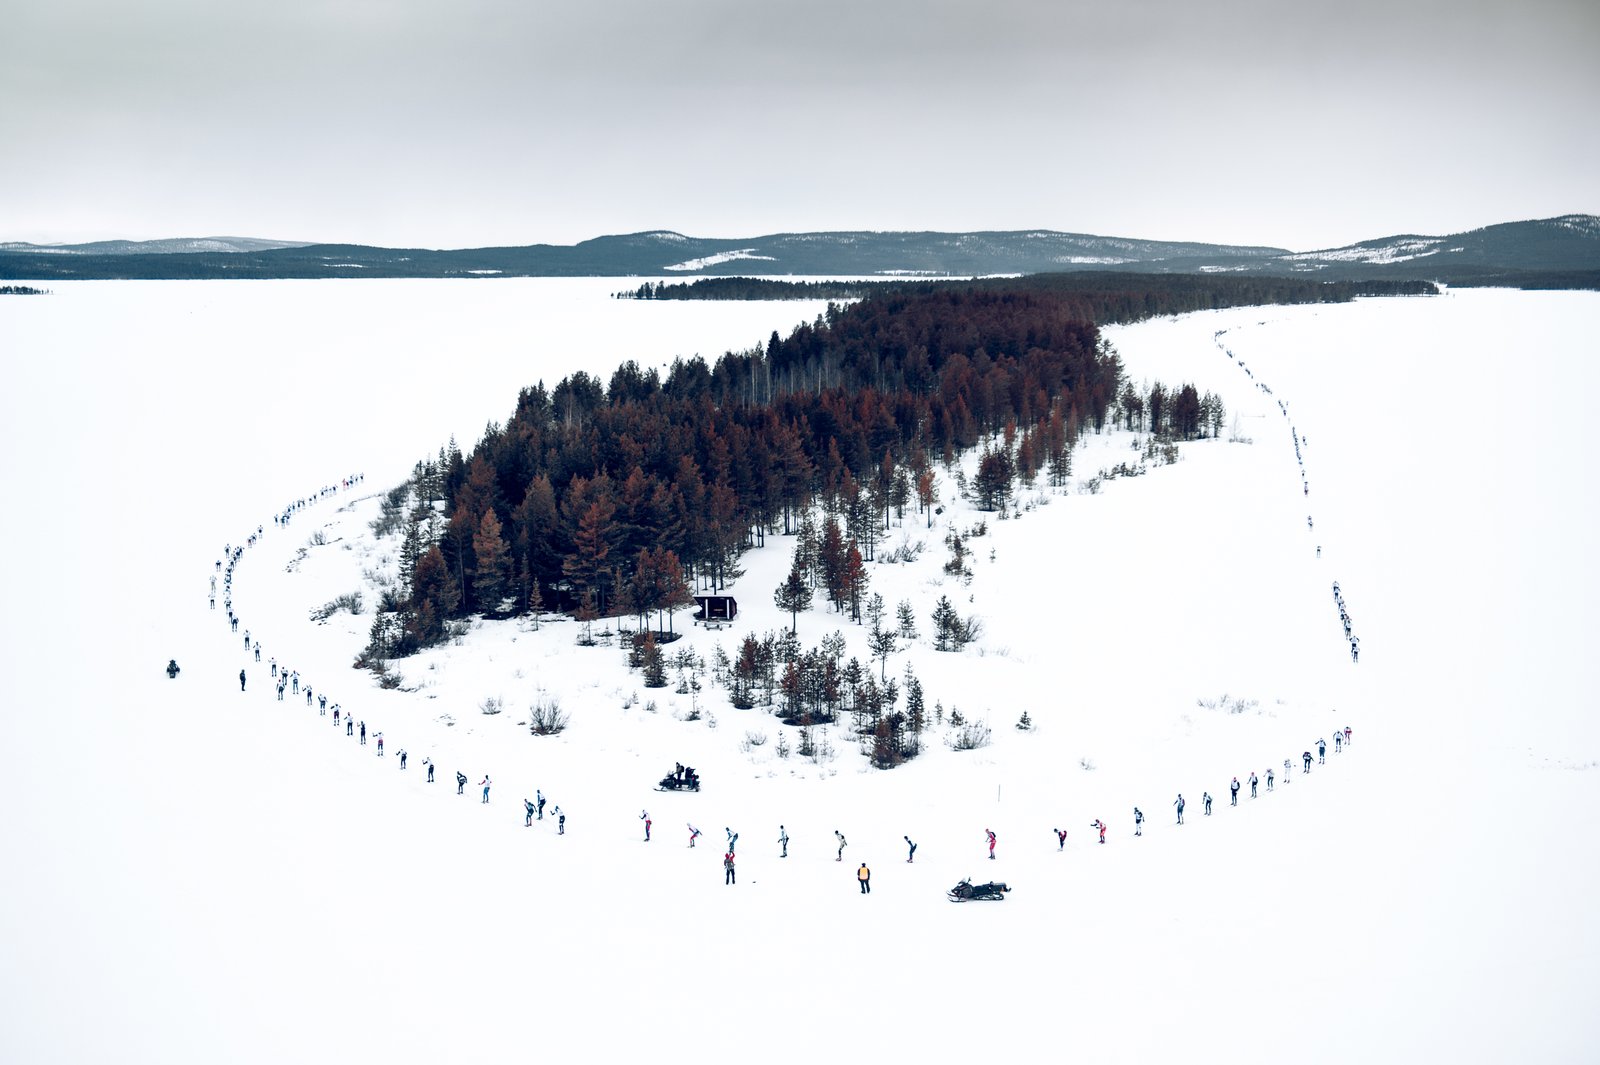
1551, 252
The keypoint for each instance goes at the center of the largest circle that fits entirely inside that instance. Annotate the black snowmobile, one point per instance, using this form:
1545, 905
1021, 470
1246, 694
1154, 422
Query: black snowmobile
688, 780
967, 890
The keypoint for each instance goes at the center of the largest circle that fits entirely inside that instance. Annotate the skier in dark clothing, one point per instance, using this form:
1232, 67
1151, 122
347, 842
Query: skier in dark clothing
1307, 757
349, 725
402, 759
1234, 790
644, 815
727, 869
430, 770
733, 839
527, 804
910, 854
783, 840
539, 795
865, 876
1269, 780
561, 822
241, 680
1179, 804
1061, 838
363, 733
1252, 783
172, 668
461, 782
1138, 821
1322, 751
990, 834
1206, 798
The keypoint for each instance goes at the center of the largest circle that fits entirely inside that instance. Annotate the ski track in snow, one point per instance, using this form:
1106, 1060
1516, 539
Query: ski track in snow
210, 877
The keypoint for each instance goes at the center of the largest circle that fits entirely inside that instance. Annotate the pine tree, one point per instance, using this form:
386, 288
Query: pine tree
491, 580
854, 581
793, 595
908, 620
655, 668
880, 639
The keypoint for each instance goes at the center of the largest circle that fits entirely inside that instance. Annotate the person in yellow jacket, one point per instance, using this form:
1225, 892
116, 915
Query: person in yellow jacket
865, 876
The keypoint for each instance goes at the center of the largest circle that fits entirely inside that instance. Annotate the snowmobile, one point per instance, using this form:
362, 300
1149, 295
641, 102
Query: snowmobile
689, 781
967, 890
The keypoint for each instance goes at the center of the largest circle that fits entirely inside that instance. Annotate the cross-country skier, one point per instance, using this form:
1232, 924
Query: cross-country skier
840, 837
733, 838
1179, 804
1252, 783
527, 804
1322, 751
402, 758
1138, 821
644, 815
241, 680
1269, 779
1101, 825
727, 869
990, 834
539, 796
912, 852
561, 822
484, 784
1307, 757
783, 841
172, 668
1234, 790
429, 763
461, 782
363, 733
694, 833
1061, 838
1205, 797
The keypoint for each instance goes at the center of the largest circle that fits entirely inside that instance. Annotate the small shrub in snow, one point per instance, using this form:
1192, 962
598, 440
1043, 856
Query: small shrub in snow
1086, 764
491, 705
350, 601
545, 717
755, 739
969, 737
1025, 722
781, 748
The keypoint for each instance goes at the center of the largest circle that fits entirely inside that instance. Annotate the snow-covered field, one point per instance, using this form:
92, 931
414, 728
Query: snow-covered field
196, 874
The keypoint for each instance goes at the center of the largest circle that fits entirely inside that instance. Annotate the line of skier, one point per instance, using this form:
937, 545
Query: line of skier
283, 678
1305, 490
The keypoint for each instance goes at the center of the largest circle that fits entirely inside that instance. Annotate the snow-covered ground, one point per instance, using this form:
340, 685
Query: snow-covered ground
199, 874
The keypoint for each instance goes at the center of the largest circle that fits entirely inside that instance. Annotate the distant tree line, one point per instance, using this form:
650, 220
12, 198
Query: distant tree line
22, 290
1102, 297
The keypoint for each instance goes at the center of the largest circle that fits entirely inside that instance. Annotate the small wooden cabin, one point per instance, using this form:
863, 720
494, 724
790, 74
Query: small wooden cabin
716, 610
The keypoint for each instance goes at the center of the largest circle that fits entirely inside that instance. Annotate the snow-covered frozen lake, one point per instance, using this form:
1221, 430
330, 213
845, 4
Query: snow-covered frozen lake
200, 875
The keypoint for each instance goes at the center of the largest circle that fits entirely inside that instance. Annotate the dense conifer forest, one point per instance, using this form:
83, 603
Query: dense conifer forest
616, 498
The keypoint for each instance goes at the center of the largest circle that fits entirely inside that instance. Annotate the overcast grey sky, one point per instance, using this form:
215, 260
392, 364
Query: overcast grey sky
477, 122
